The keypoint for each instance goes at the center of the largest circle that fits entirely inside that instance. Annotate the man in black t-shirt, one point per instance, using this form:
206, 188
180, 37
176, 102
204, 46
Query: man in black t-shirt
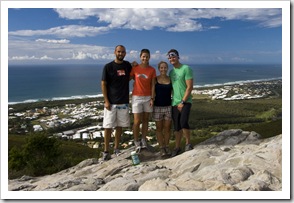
115, 89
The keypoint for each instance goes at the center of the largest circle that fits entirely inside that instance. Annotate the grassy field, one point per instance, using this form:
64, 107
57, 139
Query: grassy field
219, 115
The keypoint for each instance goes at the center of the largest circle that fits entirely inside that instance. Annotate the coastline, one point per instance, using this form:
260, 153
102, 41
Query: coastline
99, 95
235, 82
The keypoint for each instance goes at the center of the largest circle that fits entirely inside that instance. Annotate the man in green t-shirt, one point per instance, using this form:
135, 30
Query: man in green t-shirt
182, 81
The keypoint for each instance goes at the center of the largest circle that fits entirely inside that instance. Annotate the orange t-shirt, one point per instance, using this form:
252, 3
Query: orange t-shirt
143, 80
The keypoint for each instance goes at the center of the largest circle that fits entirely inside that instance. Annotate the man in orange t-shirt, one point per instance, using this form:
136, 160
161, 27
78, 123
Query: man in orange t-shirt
142, 97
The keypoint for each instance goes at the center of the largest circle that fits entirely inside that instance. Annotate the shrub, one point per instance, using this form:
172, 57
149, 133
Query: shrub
38, 156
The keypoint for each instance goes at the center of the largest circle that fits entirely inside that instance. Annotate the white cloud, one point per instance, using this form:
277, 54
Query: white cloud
214, 27
80, 55
133, 18
133, 54
157, 56
54, 44
173, 20
262, 15
186, 26
63, 31
46, 58
40, 50
240, 59
19, 58
30, 58
34, 50
75, 13
54, 41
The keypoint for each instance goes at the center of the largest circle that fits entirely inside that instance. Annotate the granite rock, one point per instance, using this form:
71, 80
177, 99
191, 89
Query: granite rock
233, 160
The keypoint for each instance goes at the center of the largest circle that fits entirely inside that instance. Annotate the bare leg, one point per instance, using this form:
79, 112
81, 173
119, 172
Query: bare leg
107, 136
136, 125
167, 127
178, 135
187, 133
145, 124
159, 135
118, 132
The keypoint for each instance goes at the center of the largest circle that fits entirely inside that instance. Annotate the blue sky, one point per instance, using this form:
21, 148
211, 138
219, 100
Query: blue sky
89, 35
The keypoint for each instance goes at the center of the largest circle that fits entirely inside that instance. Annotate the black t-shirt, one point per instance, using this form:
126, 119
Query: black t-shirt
117, 79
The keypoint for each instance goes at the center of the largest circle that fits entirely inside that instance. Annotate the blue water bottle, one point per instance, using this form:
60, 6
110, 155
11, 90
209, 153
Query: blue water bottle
135, 158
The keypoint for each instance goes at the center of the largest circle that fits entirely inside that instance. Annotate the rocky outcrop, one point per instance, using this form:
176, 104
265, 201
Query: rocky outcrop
234, 160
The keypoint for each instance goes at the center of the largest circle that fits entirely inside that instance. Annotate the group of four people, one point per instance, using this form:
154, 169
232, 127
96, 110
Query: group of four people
168, 97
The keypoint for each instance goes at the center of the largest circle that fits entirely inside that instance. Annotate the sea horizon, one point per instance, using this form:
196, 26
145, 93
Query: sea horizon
33, 83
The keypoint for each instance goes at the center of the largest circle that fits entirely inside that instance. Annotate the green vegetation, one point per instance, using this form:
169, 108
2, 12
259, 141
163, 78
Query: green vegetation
36, 154
220, 115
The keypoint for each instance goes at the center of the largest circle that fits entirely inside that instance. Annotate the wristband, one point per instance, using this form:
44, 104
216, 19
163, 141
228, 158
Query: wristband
182, 102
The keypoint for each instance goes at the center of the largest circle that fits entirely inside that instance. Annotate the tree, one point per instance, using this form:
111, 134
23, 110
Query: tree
41, 154
16, 159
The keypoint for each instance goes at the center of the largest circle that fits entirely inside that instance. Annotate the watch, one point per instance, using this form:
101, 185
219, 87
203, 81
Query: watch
182, 102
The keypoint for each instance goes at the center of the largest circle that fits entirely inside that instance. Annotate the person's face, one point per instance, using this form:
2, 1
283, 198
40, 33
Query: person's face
145, 58
173, 59
120, 53
163, 69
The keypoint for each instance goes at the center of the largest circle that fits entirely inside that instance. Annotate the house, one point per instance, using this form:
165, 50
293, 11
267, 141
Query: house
37, 128
69, 134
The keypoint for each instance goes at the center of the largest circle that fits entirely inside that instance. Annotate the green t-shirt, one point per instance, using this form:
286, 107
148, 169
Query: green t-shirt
178, 78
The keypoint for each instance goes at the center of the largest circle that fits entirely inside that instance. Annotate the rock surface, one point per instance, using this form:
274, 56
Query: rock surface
234, 160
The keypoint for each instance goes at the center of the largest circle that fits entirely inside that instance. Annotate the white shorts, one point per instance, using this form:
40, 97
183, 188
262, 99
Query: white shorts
141, 104
118, 116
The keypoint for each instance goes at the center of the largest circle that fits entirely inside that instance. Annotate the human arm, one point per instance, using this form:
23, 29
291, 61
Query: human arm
152, 91
188, 91
132, 73
104, 92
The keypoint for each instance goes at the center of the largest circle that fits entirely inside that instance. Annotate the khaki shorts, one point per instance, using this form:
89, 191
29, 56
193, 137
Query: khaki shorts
141, 104
118, 116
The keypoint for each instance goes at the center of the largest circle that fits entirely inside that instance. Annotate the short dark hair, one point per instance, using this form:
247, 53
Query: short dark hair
145, 51
120, 46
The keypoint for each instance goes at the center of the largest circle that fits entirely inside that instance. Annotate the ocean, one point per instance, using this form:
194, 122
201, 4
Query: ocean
30, 83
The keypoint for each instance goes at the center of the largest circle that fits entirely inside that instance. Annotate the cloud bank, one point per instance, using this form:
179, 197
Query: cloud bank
56, 43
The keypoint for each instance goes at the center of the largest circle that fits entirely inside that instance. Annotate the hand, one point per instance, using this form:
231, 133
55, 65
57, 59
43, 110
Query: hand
107, 105
134, 63
180, 107
151, 103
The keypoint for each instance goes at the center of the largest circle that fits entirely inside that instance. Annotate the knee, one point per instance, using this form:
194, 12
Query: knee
137, 122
